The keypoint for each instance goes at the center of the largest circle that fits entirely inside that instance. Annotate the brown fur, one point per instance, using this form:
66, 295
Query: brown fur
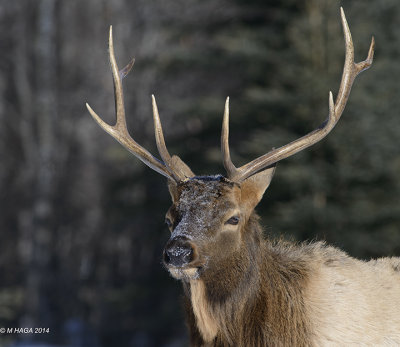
255, 300
243, 290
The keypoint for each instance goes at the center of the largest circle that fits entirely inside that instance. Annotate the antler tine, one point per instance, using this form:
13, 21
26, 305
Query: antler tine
120, 131
350, 69
162, 148
229, 167
350, 72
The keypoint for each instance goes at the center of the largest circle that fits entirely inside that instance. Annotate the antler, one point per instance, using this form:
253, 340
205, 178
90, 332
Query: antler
120, 131
350, 72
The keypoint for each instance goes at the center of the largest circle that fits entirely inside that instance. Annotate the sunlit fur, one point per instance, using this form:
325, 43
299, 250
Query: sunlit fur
244, 290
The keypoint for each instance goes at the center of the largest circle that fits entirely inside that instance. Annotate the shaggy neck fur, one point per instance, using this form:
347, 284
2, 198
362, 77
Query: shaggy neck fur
254, 299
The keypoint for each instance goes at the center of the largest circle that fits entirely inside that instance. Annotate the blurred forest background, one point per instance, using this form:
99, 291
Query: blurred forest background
82, 221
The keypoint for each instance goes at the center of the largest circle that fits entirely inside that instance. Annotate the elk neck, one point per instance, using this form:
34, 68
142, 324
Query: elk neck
258, 281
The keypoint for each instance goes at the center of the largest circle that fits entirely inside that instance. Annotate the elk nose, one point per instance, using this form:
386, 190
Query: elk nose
178, 252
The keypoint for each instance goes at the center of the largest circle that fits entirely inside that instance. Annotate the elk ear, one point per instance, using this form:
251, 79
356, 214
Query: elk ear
253, 188
183, 170
179, 165
173, 190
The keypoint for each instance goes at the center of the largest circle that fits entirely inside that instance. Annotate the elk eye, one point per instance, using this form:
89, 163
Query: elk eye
233, 220
168, 222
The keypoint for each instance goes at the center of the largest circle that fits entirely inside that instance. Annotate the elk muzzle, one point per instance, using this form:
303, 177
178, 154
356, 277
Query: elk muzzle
179, 252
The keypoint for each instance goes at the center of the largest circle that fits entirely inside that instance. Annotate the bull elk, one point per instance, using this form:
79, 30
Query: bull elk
244, 290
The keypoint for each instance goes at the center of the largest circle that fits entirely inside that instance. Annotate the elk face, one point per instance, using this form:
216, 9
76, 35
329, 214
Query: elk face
207, 220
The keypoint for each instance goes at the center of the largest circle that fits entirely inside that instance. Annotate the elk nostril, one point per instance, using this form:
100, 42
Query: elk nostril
188, 256
167, 258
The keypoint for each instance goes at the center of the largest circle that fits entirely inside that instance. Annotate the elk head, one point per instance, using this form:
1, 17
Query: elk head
209, 215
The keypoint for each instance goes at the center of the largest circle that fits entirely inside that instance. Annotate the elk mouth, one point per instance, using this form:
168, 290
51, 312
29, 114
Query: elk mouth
185, 273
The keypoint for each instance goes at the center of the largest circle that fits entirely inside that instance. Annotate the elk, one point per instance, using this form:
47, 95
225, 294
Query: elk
242, 289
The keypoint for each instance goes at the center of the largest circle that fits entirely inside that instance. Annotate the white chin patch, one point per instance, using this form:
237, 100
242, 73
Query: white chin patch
185, 274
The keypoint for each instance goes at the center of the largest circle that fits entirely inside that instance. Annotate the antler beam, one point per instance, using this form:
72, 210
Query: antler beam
350, 72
